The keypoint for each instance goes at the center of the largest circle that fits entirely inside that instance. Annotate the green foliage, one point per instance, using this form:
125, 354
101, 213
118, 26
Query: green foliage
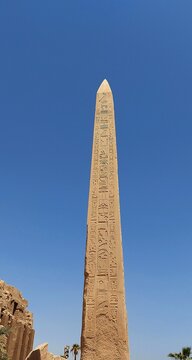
75, 349
185, 354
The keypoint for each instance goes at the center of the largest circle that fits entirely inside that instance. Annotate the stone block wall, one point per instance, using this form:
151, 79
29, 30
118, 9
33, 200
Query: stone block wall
15, 316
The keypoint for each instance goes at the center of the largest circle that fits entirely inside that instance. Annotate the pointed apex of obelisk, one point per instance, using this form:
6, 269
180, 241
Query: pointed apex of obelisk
104, 87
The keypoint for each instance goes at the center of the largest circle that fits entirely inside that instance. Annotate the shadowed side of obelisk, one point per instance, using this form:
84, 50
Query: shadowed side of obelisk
104, 323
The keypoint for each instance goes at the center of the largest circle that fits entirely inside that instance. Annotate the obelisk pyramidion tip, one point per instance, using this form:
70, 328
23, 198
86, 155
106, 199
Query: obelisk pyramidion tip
104, 87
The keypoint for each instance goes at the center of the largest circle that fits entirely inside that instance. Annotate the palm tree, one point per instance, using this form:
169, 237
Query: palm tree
75, 349
185, 354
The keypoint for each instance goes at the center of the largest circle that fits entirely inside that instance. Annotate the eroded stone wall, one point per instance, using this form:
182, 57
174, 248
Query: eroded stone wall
15, 316
41, 353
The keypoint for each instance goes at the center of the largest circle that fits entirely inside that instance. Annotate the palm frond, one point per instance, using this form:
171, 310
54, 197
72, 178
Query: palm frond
183, 355
186, 352
75, 349
175, 355
172, 355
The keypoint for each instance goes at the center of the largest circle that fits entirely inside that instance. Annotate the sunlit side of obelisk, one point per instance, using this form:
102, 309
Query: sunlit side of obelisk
104, 323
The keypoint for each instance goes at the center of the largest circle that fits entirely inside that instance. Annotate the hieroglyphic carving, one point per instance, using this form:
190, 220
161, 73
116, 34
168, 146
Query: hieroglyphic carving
104, 313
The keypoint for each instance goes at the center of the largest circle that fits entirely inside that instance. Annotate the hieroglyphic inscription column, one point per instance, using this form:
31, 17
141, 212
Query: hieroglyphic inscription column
104, 324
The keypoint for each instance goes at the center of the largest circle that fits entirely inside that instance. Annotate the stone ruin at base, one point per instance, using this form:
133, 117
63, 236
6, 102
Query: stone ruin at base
15, 316
41, 353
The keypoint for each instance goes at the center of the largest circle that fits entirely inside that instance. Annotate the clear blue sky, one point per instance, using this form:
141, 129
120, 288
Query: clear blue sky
53, 57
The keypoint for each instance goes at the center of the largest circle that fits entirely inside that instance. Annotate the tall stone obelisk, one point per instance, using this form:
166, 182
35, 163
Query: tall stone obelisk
104, 324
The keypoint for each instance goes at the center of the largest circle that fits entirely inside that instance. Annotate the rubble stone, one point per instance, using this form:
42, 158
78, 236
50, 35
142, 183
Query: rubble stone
41, 353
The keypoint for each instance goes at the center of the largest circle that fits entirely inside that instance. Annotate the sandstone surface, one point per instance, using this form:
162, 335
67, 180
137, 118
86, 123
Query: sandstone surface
41, 353
104, 322
3, 344
15, 316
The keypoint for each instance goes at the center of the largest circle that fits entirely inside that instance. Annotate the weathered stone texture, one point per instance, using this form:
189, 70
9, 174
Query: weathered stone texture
104, 324
13, 314
41, 353
3, 344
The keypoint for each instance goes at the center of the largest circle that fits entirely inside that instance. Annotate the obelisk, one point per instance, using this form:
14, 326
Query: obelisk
104, 323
